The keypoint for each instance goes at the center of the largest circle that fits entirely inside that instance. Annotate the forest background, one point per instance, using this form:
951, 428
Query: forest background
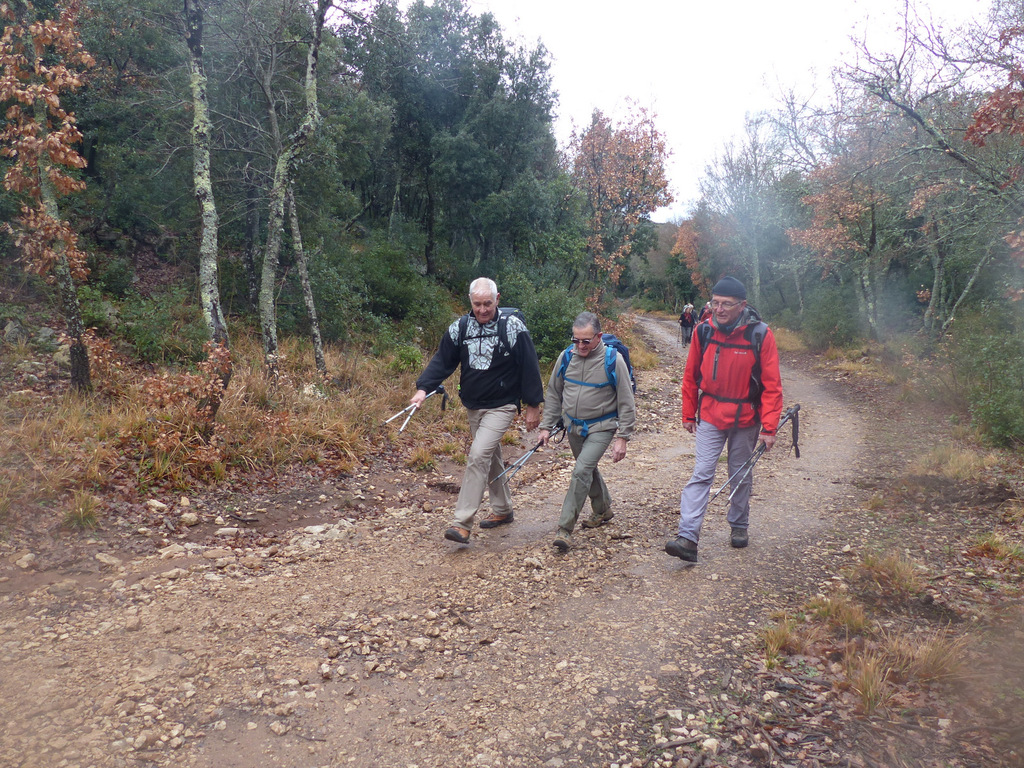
236, 230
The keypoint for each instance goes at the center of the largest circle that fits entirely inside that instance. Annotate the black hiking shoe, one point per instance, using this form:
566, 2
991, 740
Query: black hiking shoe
563, 540
682, 548
739, 538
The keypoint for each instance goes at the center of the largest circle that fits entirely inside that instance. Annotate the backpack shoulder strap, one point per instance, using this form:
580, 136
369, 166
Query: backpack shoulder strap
755, 334
503, 329
609, 364
566, 357
463, 325
704, 331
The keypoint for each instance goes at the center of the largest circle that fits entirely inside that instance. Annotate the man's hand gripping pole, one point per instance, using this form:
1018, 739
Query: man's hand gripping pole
411, 409
519, 463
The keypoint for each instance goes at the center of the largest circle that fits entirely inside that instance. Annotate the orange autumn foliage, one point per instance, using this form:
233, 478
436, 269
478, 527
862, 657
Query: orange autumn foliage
621, 173
39, 60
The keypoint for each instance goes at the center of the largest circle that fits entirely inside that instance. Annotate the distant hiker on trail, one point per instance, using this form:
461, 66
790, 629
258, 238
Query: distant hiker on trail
590, 392
732, 394
686, 322
705, 314
499, 372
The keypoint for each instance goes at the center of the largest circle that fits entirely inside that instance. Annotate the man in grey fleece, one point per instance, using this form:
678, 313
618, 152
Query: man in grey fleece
598, 410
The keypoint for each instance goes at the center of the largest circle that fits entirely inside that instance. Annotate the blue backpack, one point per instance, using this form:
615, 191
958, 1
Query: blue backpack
613, 345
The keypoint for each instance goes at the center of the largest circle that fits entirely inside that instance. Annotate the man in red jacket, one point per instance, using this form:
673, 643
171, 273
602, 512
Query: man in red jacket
732, 395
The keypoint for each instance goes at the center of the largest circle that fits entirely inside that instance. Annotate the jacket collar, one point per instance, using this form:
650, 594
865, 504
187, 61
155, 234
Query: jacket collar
749, 316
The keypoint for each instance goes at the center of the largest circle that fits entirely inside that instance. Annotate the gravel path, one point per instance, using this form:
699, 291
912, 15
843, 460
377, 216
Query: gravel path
377, 643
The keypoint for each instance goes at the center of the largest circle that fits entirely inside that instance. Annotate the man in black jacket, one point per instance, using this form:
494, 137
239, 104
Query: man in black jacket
499, 371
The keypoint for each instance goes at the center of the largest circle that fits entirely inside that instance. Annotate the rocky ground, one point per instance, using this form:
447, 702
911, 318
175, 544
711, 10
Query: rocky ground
365, 639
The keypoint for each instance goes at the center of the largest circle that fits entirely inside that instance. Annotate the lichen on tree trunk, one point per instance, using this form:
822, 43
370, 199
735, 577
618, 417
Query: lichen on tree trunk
202, 129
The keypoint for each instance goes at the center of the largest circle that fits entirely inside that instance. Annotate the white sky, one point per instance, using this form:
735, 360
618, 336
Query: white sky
700, 67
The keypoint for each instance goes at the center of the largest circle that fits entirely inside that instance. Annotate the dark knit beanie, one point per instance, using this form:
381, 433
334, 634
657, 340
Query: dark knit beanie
729, 286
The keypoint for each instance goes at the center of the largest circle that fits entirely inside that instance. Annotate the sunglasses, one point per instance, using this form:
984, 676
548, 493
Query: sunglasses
583, 342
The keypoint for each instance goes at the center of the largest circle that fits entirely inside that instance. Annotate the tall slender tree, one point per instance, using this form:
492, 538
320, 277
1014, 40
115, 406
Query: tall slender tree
202, 129
42, 58
283, 168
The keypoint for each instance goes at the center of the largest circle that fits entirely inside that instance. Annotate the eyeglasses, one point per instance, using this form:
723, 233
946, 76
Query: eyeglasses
725, 304
584, 342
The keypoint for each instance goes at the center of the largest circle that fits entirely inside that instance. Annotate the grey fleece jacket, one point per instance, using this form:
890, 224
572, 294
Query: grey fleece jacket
564, 397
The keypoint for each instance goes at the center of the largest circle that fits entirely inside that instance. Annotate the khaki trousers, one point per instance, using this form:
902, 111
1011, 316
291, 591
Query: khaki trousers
483, 464
586, 479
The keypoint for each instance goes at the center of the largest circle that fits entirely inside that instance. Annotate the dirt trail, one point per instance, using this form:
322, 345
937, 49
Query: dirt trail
375, 642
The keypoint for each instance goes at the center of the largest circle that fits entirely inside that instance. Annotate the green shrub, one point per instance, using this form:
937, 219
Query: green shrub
96, 311
114, 276
166, 328
406, 359
549, 309
987, 353
830, 319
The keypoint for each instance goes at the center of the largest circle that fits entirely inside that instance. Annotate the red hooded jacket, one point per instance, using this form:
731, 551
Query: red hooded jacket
717, 382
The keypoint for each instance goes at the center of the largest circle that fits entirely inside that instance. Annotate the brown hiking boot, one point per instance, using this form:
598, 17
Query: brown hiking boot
596, 521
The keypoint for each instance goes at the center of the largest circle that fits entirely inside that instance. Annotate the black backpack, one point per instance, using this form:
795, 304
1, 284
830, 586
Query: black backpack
503, 315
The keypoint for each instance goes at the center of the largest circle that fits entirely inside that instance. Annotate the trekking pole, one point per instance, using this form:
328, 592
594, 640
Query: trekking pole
411, 409
519, 463
747, 467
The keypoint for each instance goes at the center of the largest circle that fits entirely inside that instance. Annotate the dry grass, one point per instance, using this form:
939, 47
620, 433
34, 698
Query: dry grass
933, 656
893, 572
53, 445
953, 462
876, 502
787, 637
839, 612
788, 341
997, 546
422, 459
869, 674
82, 513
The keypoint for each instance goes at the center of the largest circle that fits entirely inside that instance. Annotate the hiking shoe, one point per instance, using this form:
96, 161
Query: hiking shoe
739, 538
455, 533
493, 520
682, 548
563, 540
596, 521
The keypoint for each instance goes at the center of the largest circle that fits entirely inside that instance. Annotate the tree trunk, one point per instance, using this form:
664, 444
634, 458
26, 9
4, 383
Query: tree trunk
81, 381
307, 291
282, 179
209, 287
428, 250
252, 240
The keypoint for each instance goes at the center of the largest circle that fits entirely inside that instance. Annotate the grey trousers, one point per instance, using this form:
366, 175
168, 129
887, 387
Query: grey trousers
586, 478
694, 500
483, 464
